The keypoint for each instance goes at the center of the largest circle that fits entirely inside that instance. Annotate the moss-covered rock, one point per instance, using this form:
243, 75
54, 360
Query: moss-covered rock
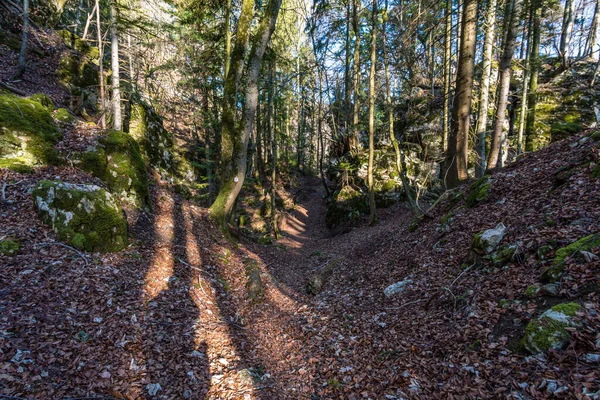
146, 127
27, 132
63, 115
555, 272
532, 291
346, 206
76, 70
503, 255
75, 42
44, 100
487, 241
316, 283
9, 247
118, 162
479, 191
86, 216
548, 330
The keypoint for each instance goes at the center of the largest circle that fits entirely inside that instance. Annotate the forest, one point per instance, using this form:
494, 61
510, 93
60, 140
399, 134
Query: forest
299, 199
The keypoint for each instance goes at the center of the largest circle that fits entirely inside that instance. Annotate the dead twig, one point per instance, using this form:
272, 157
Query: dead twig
80, 254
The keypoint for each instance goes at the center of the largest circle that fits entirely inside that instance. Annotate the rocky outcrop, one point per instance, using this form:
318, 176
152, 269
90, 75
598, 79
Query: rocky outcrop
117, 161
27, 131
85, 216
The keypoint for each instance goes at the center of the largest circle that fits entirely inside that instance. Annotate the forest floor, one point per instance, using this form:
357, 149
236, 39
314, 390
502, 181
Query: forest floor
170, 316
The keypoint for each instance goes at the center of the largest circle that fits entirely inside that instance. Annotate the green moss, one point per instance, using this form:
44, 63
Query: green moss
595, 135
63, 115
554, 273
146, 127
76, 70
447, 218
346, 206
27, 131
414, 225
549, 330
85, 216
265, 240
479, 191
569, 309
532, 291
75, 42
596, 172
16, 166
503, 255
9, 247
561, 130
44, 100
117, 162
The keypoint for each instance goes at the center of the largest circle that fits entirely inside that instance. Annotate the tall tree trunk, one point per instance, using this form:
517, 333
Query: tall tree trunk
370, 180
227, 39
355, 74
390, 111
525, 85
273, 135
592, 39
484, 95
347, 75
447, 74
458, 141
534, 57
235, 142
24, 39
567, 30
114, 56
101, 67
510, 44
78, 16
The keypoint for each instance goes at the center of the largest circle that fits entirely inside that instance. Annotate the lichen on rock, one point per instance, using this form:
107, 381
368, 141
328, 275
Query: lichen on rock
27, 132
86, 216
548, 330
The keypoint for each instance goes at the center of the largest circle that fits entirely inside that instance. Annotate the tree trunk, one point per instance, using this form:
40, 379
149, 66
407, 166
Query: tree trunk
567, 30
24, 39
592, 39
227, 39
235, 141
510, 44
370, 180
530, 133
447, 75
355, 75
114, 56
458, 140
101, 67
525, 86
390, 111
484, 95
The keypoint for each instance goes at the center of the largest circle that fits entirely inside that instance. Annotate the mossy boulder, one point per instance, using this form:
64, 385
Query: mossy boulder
77, 71
316, 283
555, 272
85, 216
75, 42
117, 161
9, 247
63, 115
548, 331
27, 132
44, 100
346, 206
487, 241
146, 127
479, 191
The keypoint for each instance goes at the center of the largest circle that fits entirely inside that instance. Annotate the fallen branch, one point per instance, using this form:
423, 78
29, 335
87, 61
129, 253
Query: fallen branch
12, 89
45, 244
